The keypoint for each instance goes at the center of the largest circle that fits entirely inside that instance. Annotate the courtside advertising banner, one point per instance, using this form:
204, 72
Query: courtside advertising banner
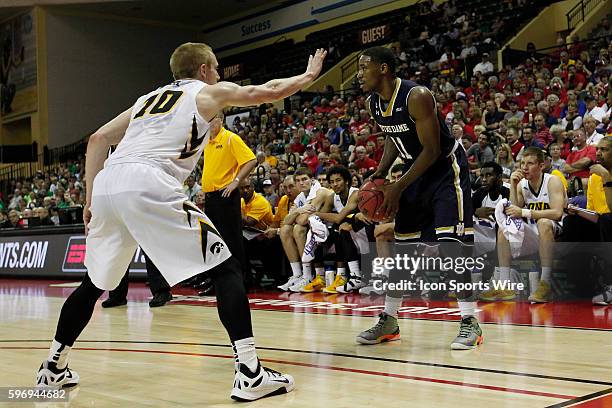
53, 255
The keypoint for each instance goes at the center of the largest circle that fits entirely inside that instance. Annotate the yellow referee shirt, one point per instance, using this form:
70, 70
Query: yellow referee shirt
596, 196
223, 157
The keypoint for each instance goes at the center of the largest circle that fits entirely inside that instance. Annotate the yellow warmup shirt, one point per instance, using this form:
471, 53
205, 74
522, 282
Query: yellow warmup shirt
596, 196
259, 209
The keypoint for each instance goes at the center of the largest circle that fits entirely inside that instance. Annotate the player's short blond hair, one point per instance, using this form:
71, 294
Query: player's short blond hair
187, 59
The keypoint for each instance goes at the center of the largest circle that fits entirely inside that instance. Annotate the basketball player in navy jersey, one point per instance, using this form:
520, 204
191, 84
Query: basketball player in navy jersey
431, 201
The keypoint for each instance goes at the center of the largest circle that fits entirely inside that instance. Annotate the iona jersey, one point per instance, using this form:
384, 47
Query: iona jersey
165, 130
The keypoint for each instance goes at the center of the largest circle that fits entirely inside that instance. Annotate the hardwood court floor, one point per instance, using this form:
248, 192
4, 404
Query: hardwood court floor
178, 355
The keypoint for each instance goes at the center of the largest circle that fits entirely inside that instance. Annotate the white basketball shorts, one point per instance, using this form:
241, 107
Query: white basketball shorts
139, 204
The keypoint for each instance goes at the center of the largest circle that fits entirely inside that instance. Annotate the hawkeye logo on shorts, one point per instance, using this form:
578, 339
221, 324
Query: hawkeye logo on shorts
74, 260
217, 247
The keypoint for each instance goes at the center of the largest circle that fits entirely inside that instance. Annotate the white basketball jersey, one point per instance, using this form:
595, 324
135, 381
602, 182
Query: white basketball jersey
338, 205
539, 200
165, 130
301, 200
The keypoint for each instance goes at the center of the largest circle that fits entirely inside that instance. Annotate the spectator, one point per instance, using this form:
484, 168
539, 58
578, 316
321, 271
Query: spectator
581, 158
590, 128
513, 104
516, 147
362, 162
481, 151
311, 159
200, 200
572, 120
557, 163
14, 220
505, 160
191, 188
529, 140
542, 132
269, 194
492, 116
484, 66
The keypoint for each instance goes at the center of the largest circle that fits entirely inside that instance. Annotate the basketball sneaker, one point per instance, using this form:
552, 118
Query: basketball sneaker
317, 285
470, 335
264, 382
385, 330
604, 298
354, 283
292, 280
338, 281
494, 295
543, 293
299, 285
49, 376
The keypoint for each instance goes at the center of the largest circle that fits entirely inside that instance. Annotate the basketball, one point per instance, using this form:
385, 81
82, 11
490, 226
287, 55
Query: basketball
371, 198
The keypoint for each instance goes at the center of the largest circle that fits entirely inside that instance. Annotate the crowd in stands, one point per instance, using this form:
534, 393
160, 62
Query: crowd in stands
559, 102
41, 200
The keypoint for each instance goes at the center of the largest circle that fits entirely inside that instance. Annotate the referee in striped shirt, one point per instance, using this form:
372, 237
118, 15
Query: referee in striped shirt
227, 161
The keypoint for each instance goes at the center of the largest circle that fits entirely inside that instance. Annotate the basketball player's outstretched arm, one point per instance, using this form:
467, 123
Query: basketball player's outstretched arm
97, 151
225, 94
422, 108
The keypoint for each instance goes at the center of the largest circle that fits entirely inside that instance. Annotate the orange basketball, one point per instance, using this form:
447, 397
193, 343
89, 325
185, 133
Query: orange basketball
370, 199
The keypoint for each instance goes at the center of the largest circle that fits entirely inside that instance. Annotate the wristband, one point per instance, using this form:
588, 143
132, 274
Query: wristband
608, 184
526, 213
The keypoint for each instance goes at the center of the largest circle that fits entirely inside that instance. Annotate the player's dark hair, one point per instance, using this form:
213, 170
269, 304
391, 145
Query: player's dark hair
398, 167
534, 151
342, 171
497, 169
303, 171
382, 55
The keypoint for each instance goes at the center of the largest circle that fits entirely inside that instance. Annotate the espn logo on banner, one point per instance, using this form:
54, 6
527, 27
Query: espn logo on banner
74, 260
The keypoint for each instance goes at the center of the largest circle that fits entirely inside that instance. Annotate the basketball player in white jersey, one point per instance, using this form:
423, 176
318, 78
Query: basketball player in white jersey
294, 229
338, 206
136, 198
538, 199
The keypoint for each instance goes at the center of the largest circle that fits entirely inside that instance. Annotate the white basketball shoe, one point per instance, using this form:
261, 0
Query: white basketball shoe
49, 376
292, 280
264, 382
353, 284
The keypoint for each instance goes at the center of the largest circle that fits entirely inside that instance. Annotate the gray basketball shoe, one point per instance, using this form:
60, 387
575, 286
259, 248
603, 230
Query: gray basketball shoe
386, 329
470, 335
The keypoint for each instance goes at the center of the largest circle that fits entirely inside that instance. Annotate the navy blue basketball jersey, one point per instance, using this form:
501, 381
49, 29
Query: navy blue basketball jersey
395, 121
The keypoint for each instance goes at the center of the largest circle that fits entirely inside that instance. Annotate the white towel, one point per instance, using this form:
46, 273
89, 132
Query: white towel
317, 233
512, 228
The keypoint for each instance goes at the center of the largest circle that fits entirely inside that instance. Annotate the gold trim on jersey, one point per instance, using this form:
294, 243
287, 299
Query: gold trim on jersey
389, 111
458, 190
410, 235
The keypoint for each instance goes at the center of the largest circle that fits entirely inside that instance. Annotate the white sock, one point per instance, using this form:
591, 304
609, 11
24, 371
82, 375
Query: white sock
496, 273
392, 305
320, 271
354, 268
504, 273
467, 308
58, 354
307, 271
546, 274
245, 349
342, 272
296, 269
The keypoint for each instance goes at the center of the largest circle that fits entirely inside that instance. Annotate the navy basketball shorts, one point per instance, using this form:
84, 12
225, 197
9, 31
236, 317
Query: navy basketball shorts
438, 206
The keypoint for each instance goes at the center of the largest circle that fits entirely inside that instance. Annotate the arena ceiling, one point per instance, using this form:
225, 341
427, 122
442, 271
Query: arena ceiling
197, 13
